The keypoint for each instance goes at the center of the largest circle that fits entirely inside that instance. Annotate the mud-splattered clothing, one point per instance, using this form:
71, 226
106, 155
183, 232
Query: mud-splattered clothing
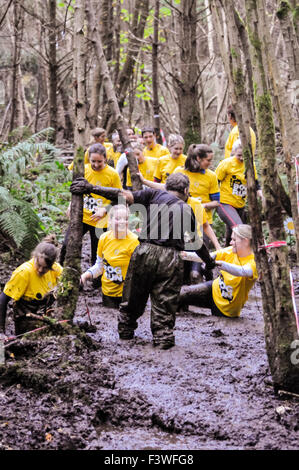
31, 293
231, 292
156, 269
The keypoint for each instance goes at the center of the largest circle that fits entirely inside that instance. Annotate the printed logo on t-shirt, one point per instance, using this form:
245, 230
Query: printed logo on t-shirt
238, 188
91, 203
113, 273
226, 291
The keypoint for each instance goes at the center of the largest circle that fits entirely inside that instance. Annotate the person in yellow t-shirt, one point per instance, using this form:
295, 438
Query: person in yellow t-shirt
234, 134
233, 189
115, 249
152, 148
97, 172
203, 181
31, 288
114, 152
99, 136
168, 163
227, 294
146, 165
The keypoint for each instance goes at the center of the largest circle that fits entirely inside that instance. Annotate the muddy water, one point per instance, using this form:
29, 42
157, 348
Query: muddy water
213, 390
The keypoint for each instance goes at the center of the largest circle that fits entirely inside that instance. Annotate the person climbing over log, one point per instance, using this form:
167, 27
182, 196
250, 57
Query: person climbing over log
233, 190
114, 252
95, 206
227, 294
31, 288
155, 269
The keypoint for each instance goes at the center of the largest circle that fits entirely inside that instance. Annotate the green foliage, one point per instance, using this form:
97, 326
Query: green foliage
283, 10
34, 191
219, 228
18, 221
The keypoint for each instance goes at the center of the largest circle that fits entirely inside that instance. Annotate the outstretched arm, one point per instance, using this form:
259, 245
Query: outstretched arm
82, 186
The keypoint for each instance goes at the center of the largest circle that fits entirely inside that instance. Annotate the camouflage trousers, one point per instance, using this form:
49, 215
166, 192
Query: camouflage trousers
157, 272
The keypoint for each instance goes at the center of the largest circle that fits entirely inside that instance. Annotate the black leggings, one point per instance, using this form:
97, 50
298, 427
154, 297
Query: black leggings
111, 302
93, 241
231, 216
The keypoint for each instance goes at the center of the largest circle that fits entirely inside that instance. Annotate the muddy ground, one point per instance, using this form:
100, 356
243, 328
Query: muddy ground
212, 391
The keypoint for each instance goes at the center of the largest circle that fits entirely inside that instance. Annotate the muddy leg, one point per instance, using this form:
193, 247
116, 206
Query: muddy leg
199, 295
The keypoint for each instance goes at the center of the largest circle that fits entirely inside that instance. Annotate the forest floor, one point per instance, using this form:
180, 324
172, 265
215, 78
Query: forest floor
212, 391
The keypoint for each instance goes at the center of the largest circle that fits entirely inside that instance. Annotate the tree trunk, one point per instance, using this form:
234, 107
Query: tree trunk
68, 132
69, 285
137, 31
187, 85
287, 120
52, 68
95, 37
280, 325
284, 14
16, 117
155, 76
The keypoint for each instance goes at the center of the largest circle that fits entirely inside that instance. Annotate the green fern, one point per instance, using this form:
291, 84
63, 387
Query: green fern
15, 160
18, 221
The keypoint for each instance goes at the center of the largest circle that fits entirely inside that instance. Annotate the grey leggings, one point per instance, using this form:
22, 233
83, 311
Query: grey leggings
231, 216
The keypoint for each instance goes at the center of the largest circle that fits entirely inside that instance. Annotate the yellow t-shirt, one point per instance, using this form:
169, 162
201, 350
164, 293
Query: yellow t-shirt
199, 212
27, 284
233, 136
166, 166
231, 292
107, 146
233, 185
202, 185
146, 168
116, 254
114, 156
157, 152
107, 177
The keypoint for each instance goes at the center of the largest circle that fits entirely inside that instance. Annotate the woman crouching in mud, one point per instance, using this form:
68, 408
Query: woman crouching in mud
227, 294
31, 288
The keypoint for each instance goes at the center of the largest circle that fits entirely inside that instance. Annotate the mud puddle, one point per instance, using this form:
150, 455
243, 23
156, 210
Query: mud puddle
212, 391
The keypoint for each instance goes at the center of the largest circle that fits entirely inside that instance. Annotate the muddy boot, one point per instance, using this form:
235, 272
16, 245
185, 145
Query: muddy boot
126, 324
